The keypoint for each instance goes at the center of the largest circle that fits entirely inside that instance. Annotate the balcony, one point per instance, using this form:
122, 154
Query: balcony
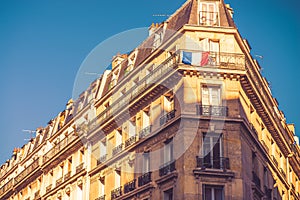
67, 176
274, 160
59, 147
167, 117
144, 179
27, 171
116, 193
101, 198
48, 188
79, 168
219, 163
59, 181
102, 159
117, 149
256, 179
265, 146
7, 187
218, 111
130, 186
209, 18
282, 172
130, 141
167, 168
161, 71
145, 131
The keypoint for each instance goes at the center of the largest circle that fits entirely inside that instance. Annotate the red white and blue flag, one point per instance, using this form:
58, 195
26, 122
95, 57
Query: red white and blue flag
195, 58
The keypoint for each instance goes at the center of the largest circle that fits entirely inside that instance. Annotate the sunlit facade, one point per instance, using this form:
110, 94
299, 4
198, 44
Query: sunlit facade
185, 115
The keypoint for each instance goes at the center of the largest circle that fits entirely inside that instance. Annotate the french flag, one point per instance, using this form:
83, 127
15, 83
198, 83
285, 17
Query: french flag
195, 58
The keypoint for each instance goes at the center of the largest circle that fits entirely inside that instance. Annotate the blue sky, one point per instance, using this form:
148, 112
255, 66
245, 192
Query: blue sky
43, 43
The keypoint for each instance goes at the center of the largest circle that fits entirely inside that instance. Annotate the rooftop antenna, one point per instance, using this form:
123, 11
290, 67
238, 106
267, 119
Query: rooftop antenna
31, 132
161, 15
92, 74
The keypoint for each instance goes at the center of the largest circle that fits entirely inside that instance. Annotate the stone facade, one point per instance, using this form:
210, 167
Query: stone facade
186, 115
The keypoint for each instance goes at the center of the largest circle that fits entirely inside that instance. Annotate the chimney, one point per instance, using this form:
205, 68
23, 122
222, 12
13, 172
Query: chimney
230, 10
153, 28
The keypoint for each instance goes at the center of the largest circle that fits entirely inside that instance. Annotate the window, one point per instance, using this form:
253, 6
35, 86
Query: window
212, 150
168, 151
211, 95
146, 118
213, 192
132, 127
168, 195
103, 150
102, 187
146, 162
208, 14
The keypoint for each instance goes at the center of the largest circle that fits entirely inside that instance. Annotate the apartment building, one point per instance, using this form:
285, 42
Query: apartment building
185, 115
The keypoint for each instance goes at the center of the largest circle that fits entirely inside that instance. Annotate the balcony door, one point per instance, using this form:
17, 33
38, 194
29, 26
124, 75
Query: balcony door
212, 150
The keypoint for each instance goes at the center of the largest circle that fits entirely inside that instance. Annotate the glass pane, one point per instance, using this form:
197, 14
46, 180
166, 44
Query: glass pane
218, 194
207, 193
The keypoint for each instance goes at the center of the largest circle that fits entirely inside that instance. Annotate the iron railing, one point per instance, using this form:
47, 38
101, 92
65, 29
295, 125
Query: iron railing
33, 166
117, 149
116, 193
130, 186
48, 188
145, 131
209, 110
102, 159
59, 181
210, 163
130, 141
79, 168
167, 117
167, 168
160, 71
67, 176
59, 147
274, 160
7, 187
144, 179
101, 198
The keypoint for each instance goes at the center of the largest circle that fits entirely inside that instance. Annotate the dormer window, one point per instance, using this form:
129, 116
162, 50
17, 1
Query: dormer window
208, 14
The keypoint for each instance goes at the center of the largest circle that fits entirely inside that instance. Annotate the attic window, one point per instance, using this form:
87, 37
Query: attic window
208, 14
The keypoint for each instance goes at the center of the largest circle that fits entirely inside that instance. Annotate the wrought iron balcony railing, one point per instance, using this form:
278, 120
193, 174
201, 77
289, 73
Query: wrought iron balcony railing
59, 181
117, 149
274, 160
282, 172
79, 168
256, 179
216, 163
145, 131
220, 111
144, 179
160, 71
59, 147
67, 176
130, 141
167, 117
101, 198
116, 193
167, 168
7, 187
102, 159
48, 188
209, 18
27, 171
130, 186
